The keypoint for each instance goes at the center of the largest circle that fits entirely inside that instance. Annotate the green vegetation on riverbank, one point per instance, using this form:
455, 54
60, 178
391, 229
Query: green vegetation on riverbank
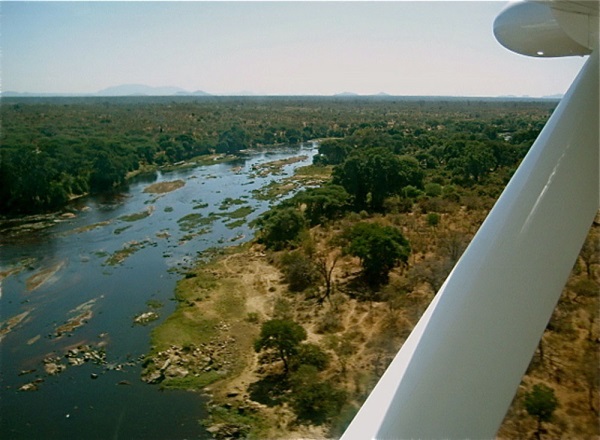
56, 148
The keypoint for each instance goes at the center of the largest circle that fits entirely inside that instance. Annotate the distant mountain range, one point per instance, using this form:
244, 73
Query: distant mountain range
144, 90
122, 90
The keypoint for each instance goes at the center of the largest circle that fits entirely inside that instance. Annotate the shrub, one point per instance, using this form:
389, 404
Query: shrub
311, 354
379, 248
299, 271
313, 400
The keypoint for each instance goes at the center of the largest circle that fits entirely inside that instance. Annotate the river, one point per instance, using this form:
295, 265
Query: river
70, 351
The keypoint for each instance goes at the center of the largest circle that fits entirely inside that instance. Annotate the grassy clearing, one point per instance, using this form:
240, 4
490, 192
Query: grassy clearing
184, 328
209, 317
274, 190
192, 382
315, 171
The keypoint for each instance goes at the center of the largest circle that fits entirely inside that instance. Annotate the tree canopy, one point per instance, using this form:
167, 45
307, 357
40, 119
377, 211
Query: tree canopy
379, 248
280, 228
372, 174
282, 335
541, 403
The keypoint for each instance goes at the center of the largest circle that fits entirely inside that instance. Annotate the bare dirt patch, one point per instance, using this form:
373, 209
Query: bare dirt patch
164, 187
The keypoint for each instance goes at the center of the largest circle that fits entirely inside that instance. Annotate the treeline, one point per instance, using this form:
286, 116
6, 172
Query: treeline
382, 168
56, 148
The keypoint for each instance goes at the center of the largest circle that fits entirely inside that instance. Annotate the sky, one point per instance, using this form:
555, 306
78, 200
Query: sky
443, 48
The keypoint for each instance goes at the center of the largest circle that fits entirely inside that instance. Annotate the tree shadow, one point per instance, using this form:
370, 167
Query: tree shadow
360, 289
270, 390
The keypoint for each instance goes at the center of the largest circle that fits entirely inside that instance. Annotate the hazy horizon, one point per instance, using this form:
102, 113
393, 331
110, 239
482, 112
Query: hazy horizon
270, 49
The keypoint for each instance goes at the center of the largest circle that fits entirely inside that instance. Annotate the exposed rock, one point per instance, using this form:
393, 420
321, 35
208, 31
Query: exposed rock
225, 431
53, 368
75, 362
155, 376
145, 318
175, 371
29, 387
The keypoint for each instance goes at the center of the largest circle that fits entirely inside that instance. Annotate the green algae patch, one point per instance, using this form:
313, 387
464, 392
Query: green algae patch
229, 202
241, 212
236, 224
128, 249
119, 231
195, 220
138, 215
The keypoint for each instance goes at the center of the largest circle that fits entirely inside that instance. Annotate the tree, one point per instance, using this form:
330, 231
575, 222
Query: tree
472, 160
280, 228
326, 273
283, 336
300, 272
332, 152
327, 202
314, 400
311, 354
233, 140
353, 175
540, 403
108, 170
376, 173
379, 248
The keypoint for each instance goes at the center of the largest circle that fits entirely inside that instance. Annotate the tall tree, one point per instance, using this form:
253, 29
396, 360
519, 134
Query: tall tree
282, 335
376, 173
379, 248
280, 228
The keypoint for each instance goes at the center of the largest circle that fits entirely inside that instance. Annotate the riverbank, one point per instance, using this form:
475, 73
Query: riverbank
208, 344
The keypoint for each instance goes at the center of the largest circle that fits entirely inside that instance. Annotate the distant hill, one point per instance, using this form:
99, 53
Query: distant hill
120, 90
143, 90
346, 94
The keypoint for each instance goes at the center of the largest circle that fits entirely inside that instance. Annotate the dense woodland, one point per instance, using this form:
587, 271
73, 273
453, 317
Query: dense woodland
356, 260
54, 149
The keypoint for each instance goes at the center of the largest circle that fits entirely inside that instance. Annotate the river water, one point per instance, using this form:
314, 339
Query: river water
79, 284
